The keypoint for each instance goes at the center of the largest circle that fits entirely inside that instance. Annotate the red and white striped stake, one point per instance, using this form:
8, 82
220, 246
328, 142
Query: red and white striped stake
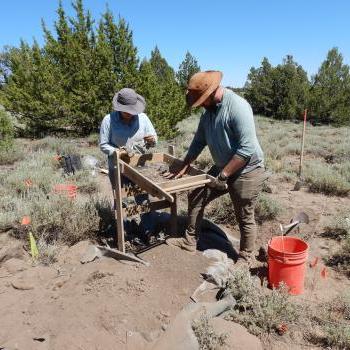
302, 145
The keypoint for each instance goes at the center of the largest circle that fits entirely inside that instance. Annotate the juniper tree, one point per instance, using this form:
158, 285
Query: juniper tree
258, 88
165, 99
187, 68
330, 92
290, 89
280, 92
124, 54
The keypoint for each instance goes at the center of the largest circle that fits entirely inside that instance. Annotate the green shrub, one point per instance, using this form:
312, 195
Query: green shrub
221, 211
55, 219
330, 325
206, 336
93, 139
57, 145
6, 131
337, 336
324, 179
267, 208
341, 258
339, 227
259, 309
10, 156
85, 181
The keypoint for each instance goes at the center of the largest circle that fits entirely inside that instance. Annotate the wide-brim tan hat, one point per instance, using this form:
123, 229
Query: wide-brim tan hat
201, 85
127, 100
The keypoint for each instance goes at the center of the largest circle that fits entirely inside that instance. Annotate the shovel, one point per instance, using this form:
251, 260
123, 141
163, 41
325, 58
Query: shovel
300, 183
300, 218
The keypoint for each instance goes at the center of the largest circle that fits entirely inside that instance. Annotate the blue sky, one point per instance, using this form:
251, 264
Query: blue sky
231, 36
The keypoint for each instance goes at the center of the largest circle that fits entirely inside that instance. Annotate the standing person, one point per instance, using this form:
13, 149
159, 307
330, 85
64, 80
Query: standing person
126, 126
227, 127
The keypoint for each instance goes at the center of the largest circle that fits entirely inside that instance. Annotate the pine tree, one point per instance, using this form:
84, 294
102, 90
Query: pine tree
160, 66
330, 92
280, 92
187, 68
120, 40
71, 80
291, 88
164, 96
258, 88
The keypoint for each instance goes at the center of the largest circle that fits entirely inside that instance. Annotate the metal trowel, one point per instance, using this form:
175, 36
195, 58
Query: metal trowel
300, 218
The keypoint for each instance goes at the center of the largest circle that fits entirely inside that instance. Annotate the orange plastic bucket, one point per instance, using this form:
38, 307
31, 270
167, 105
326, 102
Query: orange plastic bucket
287, 263
69, 190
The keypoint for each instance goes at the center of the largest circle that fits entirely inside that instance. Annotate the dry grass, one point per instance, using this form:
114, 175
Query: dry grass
260, 310
206, 336
27, 190
221, 210
330, 324
339, 229
281, 143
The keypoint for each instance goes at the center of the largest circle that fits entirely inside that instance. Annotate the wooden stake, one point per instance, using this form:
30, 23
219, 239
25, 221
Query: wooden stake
171, 150
302, 145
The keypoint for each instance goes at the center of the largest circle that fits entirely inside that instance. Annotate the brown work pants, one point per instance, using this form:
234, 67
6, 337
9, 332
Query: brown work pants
243, 191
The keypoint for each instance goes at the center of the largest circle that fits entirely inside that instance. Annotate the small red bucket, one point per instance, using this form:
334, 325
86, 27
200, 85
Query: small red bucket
287, 258
69, 190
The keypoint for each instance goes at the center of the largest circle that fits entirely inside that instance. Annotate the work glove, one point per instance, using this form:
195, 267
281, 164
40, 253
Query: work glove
220, 182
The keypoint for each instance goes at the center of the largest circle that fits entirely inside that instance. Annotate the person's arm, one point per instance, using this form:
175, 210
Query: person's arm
149, 132
105, 145
197, 145
243, 124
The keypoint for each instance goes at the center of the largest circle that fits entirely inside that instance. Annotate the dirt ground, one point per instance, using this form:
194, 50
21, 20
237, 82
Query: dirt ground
70, 305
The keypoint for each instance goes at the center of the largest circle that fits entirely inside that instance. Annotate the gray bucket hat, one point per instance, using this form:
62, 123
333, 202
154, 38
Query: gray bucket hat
127, 100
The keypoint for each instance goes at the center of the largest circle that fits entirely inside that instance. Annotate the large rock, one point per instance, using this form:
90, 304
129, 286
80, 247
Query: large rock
11, 249
238, 337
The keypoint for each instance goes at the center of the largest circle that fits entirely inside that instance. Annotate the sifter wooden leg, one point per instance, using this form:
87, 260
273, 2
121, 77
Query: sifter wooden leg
173, 217
118, 212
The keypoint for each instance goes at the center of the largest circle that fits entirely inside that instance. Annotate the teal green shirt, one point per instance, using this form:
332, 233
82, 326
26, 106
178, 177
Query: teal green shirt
229, 131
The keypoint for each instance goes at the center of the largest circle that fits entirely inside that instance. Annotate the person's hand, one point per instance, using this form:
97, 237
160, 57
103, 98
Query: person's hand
177, 174
150, 140
220, 182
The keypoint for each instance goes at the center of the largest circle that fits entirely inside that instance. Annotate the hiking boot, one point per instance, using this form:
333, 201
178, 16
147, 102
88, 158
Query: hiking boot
188, 243
246, 258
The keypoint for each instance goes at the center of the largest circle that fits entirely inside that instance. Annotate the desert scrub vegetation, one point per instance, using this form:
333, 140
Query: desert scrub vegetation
327, 149
323, 144
260, 310
325, 179
206, 336
329, 324
221, 210
10, 150
6, 130
339, 229
339, 226
340, 259
27, 190
267, 208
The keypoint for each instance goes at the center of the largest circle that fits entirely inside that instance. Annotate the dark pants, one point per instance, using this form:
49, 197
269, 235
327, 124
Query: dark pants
243, 190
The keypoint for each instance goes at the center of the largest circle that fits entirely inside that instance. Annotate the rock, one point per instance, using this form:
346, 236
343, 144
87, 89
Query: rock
238, 337
14, 265
11, 250
22, 284
72, 255
91, 253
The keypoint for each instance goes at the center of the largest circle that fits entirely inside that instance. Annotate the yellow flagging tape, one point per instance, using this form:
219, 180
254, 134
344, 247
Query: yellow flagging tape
33, 248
